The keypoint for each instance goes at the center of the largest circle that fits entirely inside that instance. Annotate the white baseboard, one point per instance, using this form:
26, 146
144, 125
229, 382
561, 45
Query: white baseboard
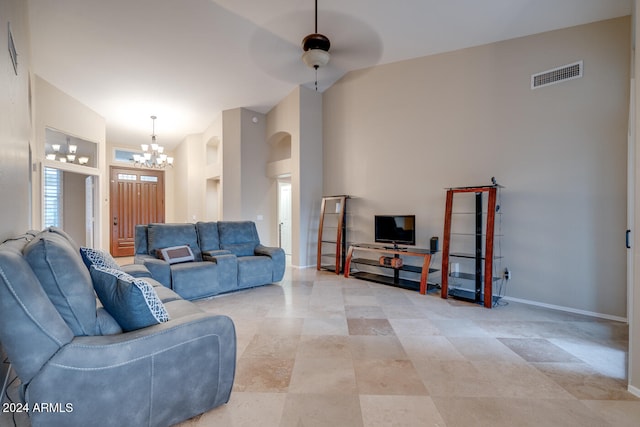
634, 390
302, 267
568, 309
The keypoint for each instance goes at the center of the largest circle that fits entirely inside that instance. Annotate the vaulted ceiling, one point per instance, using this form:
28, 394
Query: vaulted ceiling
185, 61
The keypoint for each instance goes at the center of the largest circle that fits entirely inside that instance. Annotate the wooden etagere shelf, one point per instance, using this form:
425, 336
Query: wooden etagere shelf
332, 234
482, 276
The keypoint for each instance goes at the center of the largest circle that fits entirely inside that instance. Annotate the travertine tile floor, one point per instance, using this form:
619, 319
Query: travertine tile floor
321, 350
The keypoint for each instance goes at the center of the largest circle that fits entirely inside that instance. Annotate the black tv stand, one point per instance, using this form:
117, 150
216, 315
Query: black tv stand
396, 248
395, 280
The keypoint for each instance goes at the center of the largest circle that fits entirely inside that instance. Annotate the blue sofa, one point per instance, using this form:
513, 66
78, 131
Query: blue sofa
227, 256
72, 352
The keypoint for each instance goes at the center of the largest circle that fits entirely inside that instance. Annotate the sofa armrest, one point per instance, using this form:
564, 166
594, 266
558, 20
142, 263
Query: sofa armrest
159, 269
159, 375
214, 253
278, 258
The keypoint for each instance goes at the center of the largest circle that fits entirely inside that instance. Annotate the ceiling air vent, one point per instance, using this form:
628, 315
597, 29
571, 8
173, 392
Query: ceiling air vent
557, 75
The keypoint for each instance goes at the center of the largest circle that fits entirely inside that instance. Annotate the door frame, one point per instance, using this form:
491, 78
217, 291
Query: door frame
113, 198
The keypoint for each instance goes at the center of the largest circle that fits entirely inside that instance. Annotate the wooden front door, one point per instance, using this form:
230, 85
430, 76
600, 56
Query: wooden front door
137, 197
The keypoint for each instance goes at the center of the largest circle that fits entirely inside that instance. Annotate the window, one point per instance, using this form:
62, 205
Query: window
52, 197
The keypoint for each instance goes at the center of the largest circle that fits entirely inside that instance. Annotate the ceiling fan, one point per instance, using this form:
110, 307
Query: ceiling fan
316, 48
276, 46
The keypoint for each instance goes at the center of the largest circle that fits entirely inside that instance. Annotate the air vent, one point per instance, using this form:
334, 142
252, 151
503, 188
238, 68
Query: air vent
557, 75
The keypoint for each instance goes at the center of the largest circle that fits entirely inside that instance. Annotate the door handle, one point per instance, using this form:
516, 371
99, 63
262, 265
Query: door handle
628, 239
115, 220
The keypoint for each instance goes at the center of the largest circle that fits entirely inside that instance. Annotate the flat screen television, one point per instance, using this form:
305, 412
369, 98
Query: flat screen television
395, 229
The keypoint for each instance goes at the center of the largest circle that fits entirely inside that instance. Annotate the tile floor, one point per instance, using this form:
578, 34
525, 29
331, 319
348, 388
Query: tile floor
321, 350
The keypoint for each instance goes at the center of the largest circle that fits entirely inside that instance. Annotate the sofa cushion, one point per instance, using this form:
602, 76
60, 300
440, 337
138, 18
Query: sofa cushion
31, 329
239, 237
106, 324
254, 271
195, 279
241, 249
132, 302
160, 236
208, 235
98, 257
65, 279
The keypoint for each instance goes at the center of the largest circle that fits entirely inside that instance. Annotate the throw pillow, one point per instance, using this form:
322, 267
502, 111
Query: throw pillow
99, 258
132, 302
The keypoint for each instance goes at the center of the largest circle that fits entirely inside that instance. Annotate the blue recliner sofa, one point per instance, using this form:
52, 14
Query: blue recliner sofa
81, 356
227, 256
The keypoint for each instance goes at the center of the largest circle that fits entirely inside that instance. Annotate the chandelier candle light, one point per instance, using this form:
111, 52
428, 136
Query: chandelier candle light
153, 155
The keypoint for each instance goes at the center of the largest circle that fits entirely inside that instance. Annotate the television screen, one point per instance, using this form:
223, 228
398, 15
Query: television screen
396, 229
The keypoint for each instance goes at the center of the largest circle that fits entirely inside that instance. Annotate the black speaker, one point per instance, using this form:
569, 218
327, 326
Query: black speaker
434, 244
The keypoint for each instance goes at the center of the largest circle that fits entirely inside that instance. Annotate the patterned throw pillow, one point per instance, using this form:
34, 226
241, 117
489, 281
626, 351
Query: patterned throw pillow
131, 301
99, 258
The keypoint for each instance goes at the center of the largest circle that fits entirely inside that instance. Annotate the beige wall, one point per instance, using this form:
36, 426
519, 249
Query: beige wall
224, 170
396, 135
74, 210
57, 110
299, 117
634, 289
15, 126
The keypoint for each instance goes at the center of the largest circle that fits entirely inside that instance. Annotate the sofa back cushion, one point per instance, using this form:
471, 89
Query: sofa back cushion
160, 236
208, 235
140, 245
238, 237
31, 329
65, 279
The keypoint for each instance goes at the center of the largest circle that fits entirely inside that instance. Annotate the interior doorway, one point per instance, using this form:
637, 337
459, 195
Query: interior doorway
137, 197
284, 215
69, 202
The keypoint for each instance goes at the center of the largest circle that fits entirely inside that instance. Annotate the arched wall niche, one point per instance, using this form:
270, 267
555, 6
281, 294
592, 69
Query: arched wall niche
279, 146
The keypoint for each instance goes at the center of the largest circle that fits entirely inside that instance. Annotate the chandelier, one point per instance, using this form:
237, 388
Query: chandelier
66, 153
152, 154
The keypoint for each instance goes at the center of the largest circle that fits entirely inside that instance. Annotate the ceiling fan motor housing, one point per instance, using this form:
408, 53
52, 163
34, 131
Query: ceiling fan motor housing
316, 41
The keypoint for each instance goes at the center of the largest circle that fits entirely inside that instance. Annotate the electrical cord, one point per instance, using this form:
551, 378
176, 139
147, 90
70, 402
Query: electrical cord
7, 385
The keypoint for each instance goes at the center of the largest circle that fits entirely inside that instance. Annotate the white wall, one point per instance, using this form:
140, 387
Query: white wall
396, 135
15, 126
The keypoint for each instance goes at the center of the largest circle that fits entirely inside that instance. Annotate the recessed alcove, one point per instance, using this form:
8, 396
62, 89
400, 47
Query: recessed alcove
279, 162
